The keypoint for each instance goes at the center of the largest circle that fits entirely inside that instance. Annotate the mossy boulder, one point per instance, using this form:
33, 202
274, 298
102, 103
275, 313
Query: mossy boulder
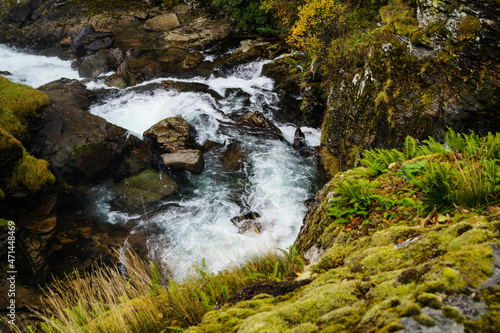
143, 190
21, 174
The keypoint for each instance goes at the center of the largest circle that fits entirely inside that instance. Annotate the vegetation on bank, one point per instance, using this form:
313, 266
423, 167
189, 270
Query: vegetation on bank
401, 250
142, 298
20, 172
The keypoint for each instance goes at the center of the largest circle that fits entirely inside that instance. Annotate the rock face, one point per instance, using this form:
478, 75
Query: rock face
425, 78
80, 146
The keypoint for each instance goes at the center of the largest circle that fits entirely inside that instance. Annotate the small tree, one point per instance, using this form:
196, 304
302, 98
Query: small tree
319, 23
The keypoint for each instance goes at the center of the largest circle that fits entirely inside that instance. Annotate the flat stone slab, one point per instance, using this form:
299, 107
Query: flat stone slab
187, 159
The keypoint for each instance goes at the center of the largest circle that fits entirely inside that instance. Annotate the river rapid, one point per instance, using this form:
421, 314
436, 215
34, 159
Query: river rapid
194, 225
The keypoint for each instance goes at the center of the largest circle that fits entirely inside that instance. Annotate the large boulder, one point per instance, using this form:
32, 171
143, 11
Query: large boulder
185, 159
80, 146
171, 134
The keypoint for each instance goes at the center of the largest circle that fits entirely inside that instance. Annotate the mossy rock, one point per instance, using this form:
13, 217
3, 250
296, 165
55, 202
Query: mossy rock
30, 175
18, 103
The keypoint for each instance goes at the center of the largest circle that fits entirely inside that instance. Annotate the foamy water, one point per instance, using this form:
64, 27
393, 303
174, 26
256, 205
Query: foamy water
274, 181
34, 70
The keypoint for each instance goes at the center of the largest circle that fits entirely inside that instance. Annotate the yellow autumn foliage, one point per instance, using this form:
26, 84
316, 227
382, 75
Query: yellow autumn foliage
319, 23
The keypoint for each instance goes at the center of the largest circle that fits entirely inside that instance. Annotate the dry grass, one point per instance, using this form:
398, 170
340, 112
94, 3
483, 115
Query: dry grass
143, 300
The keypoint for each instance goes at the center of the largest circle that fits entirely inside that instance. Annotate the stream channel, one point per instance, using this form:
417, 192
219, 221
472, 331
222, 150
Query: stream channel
195, 224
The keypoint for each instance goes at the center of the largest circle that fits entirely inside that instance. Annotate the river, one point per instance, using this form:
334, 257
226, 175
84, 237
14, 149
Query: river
274, 182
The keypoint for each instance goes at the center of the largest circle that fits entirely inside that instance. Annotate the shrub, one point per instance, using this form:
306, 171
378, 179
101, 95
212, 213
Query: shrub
248, 14
319, 23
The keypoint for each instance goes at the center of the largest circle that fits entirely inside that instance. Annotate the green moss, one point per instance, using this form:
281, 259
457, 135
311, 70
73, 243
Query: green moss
469, 27
418, 38
410, 310
451, 276
473, 262
452, 313
430, 300
30, 175
425, 320
18, 103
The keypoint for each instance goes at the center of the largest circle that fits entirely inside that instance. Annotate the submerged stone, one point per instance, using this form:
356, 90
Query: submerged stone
142, 190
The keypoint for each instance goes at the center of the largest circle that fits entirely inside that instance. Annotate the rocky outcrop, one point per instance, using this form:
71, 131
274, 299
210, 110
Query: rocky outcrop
171, 134
427, 74
174, 138
80, 146
90, 41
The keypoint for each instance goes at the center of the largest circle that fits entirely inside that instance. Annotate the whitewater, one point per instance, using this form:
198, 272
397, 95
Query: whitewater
274, 181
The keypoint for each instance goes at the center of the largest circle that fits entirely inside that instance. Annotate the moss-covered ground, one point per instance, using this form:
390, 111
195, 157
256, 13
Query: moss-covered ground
389, 263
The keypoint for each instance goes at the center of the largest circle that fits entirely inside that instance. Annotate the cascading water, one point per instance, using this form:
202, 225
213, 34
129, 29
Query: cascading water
274, 181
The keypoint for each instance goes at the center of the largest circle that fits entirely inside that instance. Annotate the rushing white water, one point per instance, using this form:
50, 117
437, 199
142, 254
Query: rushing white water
274, 182
34, 70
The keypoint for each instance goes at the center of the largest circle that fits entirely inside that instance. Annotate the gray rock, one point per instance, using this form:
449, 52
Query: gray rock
88, 40
185, 159
81, 146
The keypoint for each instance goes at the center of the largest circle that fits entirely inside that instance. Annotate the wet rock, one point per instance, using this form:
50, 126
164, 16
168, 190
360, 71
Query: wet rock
174, 60
287, 88
211, 145
80, 146
192, 59
299, 139
257, 123
36, 229
23, 13
88, 40
115, 80
141, 191
247, 222
185, 159
82, 242
162, 22
233, 158
94, 65
115, 58
171, 134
